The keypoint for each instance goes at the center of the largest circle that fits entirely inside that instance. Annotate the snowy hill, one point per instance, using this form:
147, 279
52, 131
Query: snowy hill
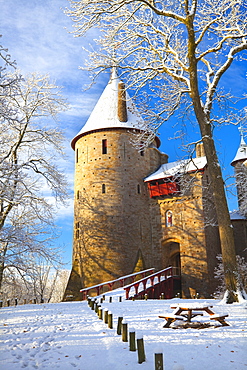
71, 336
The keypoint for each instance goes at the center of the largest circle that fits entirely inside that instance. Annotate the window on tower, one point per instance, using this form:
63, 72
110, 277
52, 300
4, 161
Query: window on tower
77, 230
103, 188
169, 219
104, 146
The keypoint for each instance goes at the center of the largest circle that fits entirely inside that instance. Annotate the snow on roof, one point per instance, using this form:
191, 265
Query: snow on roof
235, 215
241, 153
104, 114
179, 167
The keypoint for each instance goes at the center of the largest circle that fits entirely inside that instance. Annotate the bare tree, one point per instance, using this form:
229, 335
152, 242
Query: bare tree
242, 278
58, 286
40, 282
175, 53
31, 144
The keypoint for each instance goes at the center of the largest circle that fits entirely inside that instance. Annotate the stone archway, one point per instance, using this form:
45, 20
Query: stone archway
171, 255
176, 263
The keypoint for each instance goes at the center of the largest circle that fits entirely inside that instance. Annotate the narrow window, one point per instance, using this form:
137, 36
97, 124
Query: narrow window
76, 156
104, 146
169, 219
77, 230
78, 194
138, 189
103, 188
142, 149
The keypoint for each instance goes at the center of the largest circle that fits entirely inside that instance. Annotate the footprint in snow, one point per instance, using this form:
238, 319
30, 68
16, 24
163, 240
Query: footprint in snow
24, 364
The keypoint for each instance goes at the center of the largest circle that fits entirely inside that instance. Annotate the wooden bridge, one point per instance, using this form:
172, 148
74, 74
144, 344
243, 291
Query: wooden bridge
152, 284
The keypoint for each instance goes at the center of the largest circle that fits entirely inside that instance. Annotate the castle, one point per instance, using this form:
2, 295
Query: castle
134, 210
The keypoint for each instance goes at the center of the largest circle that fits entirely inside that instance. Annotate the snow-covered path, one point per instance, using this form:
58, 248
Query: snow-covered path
70, 336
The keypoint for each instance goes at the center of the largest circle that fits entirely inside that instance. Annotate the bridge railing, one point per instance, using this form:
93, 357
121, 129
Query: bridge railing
149, 281
121, 281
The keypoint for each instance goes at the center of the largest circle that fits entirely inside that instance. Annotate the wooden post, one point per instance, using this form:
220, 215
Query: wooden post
106, 316
94, 304
25, 301
141, 351
158, 359
96, 307
132, 340
124, 331
1, 304
90, 302
146, 297
110, 299
119, 325
120, 298
100, 313
8, 302
110, 325
16, 301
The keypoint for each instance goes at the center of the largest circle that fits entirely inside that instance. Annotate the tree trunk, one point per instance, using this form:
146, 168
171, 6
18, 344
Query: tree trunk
1, 273
223, 217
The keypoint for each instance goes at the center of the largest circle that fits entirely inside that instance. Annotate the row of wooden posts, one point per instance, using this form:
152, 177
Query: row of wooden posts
15, 302
135, 343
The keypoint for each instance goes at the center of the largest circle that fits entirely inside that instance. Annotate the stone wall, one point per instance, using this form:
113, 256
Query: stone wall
186, 236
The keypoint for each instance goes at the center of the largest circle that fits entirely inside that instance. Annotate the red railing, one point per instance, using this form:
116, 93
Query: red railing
142, 283
121, 281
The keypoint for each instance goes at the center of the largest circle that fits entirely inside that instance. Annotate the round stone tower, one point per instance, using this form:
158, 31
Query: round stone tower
112, 225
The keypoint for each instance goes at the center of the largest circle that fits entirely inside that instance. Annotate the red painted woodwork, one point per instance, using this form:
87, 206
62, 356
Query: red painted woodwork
161, 188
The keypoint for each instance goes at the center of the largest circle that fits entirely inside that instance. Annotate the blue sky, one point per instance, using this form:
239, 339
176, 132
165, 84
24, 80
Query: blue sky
34, 31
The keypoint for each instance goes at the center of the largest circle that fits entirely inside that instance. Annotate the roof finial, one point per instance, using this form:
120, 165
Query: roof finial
241, 130
242, 150
114, 73
114, 63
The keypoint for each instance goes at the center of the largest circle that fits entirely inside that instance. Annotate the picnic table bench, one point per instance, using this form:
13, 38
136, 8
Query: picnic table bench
186, 311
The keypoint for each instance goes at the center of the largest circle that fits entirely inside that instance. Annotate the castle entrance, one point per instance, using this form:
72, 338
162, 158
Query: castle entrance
171, 256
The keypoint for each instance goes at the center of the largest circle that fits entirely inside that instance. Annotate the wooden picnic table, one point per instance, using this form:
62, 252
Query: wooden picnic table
186, 311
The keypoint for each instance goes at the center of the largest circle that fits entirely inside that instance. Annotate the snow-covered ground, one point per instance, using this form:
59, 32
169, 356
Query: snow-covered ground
71, 336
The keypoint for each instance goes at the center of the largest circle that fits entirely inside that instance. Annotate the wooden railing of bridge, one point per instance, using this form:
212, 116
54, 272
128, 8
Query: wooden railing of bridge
121, 281
147, 284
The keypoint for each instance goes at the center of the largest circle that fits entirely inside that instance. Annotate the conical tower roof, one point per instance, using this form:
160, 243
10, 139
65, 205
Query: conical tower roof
105, 113
241, 154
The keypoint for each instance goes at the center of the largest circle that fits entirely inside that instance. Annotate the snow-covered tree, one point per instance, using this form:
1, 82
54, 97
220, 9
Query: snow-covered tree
174, 55
31, 145
242, 276
40, 282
